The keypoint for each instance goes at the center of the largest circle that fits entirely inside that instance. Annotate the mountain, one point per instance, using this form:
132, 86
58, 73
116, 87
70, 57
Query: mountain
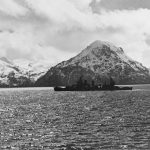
97, 62
20, 72
33, 69
8, 69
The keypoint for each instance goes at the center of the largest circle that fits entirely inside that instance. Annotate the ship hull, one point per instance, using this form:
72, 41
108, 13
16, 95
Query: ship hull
115, 88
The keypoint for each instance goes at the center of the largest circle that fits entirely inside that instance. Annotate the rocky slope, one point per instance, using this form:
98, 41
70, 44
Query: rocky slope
20, 72
98, 62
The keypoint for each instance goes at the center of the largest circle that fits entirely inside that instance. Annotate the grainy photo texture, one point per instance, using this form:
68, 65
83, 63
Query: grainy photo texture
74, 75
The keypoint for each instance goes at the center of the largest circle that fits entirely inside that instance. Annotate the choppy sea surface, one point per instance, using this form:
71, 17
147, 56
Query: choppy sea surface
41, 119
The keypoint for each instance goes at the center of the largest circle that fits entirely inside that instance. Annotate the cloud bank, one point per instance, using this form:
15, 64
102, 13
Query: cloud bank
56, 30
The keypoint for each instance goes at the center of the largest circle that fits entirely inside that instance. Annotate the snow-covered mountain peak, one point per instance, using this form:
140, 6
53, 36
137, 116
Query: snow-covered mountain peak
103, 44
97, 62
23, 70
34, 69
102, 57
98, 52
102, 48
100, 44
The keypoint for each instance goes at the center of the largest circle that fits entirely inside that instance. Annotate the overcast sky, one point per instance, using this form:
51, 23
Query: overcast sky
56, 30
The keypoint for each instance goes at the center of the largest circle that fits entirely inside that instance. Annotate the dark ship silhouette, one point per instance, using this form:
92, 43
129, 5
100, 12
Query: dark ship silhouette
83, 85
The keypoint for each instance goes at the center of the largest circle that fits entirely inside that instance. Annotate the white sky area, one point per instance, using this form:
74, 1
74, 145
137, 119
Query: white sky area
56, 30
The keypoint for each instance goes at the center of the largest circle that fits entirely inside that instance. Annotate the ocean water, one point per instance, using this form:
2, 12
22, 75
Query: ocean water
41, 119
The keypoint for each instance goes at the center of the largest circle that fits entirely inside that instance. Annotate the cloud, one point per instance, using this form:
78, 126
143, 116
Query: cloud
66, 13
120, 5
10, 7
59, 29
134, 25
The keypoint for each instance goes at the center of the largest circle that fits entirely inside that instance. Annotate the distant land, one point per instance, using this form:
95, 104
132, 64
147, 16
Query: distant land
97, 62
21, 73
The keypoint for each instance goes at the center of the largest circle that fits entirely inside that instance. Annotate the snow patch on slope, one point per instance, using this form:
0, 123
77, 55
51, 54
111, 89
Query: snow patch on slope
96, 54
34, 69
6, 67
22, 68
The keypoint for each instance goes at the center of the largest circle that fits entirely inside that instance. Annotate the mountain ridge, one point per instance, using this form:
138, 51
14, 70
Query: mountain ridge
98, 60
20, 73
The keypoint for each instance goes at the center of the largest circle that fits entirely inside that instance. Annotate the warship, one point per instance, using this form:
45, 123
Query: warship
83, 85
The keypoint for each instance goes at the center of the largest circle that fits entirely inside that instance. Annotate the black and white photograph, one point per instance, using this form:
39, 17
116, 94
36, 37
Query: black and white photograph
74, 75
